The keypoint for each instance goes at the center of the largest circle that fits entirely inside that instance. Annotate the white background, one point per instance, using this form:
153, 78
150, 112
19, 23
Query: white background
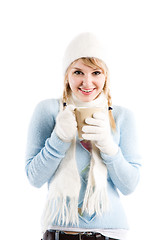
33, 37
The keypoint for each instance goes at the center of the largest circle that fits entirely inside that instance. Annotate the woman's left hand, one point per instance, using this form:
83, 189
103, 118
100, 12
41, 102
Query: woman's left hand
98, 130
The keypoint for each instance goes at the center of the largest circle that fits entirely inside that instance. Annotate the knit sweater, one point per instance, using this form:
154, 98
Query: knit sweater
45, 151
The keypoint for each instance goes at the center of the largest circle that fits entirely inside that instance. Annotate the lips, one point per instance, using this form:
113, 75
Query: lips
86, 91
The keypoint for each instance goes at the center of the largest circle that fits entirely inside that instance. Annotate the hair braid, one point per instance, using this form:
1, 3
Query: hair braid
66, 90
109, 99
111, 118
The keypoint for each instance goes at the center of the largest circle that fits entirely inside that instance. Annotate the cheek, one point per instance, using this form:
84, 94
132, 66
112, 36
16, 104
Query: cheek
101, 83
73, 83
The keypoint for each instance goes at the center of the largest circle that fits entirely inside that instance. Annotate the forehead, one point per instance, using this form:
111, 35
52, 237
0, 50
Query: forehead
80, 64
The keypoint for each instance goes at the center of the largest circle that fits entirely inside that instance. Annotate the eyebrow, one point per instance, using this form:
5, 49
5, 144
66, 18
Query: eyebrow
94, 69
77, 68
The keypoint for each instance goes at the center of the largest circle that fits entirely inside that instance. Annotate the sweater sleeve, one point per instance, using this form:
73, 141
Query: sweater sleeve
123, 168
44, 150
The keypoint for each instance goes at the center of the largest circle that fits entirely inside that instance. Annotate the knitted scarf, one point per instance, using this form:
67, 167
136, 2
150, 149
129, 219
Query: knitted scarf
62, 201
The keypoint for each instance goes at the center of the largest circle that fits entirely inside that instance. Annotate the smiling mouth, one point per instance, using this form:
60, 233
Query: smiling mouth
86, 90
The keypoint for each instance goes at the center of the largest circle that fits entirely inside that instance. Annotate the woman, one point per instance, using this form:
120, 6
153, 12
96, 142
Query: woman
83, 175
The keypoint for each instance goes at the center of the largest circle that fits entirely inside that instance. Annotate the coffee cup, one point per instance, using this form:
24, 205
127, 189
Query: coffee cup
81, 114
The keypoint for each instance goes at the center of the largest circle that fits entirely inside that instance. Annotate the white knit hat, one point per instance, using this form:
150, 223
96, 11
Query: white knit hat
84, 45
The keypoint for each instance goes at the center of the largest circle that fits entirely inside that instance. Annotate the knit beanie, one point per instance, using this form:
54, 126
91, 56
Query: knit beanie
83, 45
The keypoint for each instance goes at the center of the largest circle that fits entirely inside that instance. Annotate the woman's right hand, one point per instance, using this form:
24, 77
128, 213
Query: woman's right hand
66, 125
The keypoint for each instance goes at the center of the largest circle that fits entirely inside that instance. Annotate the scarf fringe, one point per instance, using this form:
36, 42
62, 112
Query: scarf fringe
62, 201
95, 202
66, 212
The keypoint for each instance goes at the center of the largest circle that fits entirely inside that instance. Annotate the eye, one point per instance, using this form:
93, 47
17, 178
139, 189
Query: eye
97, 73
78, 72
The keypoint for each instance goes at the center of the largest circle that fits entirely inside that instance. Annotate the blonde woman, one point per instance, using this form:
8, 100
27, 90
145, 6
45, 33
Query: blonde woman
83, 175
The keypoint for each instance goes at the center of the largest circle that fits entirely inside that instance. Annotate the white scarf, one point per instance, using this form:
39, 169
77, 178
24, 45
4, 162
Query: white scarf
62, 202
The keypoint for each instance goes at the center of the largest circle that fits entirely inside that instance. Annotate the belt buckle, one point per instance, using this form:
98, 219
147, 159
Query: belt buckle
97, 235
86, 234
89, 233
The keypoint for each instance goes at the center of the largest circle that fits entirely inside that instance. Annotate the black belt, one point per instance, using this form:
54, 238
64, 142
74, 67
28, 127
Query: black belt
58, 235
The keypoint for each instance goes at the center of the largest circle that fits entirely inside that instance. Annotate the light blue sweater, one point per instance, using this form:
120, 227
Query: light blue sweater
45, 151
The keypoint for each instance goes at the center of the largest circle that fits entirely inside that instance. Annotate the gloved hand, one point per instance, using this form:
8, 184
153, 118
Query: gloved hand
66, 125
99, 130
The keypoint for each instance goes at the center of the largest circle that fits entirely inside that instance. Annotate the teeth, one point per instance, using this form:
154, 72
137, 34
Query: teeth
86, 90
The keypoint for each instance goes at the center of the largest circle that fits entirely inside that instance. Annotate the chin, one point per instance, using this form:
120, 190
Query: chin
87, 99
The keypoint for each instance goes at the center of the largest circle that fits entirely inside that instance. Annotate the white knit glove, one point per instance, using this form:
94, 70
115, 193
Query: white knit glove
66, 125
99, 130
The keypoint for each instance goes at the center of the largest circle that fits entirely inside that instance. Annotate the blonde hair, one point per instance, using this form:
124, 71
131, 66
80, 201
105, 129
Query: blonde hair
92, 62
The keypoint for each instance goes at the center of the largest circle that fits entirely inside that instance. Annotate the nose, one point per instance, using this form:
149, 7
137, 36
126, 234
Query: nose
87, 81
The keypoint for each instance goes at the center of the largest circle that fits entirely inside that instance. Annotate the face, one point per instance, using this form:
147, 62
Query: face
85, 82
